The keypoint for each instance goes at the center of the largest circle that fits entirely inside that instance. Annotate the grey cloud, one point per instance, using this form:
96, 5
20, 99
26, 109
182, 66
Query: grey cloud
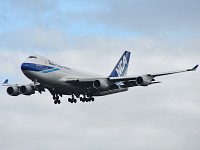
152, 17
33, 12
33, 38
148, 16
34, 6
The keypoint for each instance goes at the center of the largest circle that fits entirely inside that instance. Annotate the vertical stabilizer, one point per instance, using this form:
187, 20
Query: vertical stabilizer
121, 67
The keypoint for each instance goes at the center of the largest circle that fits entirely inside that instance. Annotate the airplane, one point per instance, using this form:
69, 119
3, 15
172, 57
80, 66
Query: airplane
60, 80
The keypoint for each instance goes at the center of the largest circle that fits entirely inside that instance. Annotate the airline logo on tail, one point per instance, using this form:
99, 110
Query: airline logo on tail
122, 66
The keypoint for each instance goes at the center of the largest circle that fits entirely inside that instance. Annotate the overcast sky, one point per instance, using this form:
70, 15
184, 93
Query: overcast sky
92, 35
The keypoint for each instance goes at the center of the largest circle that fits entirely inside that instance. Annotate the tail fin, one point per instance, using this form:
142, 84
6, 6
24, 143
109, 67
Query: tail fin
121, 67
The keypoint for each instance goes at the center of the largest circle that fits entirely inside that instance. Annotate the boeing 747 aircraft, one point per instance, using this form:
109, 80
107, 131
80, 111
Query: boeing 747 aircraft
60, 80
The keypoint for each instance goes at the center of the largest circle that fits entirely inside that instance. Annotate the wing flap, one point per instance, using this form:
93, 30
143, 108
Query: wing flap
118, 79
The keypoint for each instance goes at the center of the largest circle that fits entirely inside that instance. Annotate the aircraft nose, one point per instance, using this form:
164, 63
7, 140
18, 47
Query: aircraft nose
25, 66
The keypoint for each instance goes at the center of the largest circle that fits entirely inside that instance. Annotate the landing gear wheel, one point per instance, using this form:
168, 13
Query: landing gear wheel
72, 100
57, 102
89, 99
82, 99
56, 98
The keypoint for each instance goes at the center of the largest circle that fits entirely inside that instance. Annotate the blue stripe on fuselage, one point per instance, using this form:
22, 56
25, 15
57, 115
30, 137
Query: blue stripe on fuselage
50, 70
37, 68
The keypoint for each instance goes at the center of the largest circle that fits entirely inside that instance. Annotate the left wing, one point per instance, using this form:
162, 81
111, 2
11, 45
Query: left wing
146, 79
111, 83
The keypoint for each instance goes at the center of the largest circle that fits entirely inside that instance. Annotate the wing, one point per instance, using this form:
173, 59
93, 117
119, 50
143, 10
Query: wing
96, 85
174, 72
25, 89
144, 80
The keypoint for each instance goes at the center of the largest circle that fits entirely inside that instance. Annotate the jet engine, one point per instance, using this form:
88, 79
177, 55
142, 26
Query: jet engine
100, 84
13, 90
27, 90
143, 80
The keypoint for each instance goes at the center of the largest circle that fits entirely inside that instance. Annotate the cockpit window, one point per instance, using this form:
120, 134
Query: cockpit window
32, 57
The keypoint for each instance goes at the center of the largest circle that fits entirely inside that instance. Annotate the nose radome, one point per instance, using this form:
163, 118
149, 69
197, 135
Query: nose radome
24, 67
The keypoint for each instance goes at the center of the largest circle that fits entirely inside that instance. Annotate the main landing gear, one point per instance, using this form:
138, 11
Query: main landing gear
89, 99
56, 99
82, 99
73, 99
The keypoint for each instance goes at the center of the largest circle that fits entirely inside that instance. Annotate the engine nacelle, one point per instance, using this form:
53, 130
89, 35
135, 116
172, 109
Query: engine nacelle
26, 90
143, 80
100, 84
13, 90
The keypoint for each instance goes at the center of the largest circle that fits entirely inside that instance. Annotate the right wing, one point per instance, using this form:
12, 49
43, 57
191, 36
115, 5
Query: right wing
25, 89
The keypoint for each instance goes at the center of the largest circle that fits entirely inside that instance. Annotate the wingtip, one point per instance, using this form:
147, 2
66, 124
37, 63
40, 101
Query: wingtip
195, 67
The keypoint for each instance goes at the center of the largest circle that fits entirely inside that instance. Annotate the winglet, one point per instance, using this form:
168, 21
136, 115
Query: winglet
194, 68
6, 81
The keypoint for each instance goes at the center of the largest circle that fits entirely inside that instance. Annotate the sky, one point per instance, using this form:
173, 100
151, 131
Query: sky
91, 35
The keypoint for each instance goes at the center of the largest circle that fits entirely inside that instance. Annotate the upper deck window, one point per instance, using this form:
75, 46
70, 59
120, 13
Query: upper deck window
32, 57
